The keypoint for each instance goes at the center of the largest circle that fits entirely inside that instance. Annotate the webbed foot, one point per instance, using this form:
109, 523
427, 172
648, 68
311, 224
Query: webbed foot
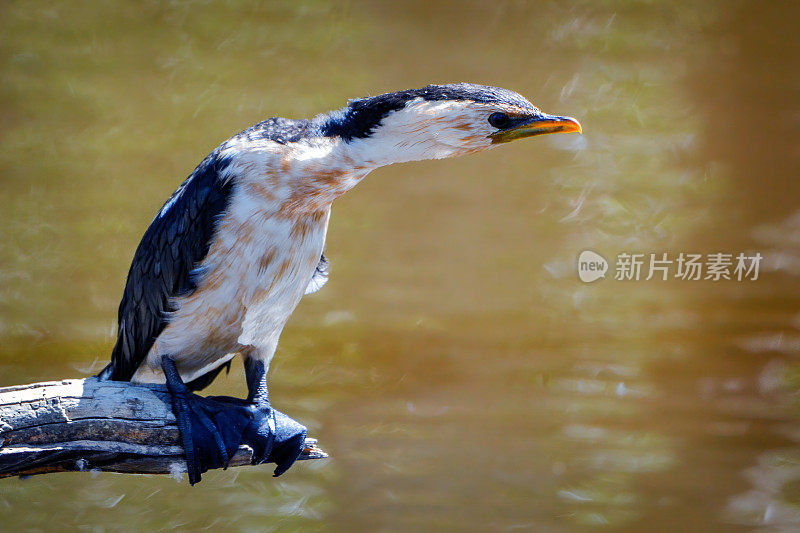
211, 431
213, 427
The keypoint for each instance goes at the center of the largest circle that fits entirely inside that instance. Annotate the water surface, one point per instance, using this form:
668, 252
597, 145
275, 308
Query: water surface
455, 367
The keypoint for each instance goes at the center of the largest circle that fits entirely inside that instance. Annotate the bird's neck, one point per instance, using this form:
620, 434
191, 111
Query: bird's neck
404, 135
306, 177
380, 150
326, 168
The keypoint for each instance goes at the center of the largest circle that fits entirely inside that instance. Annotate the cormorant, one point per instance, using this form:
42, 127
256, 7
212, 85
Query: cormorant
238, 244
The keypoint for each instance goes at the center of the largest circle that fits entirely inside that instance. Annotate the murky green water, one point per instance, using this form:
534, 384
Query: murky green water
457, 370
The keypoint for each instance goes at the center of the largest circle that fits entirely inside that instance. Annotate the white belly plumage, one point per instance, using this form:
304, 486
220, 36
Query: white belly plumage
254, 275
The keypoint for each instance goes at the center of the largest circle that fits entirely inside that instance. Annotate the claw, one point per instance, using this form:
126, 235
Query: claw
289, 441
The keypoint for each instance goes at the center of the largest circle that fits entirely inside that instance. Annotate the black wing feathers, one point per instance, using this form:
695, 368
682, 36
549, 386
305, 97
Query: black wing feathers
176, 241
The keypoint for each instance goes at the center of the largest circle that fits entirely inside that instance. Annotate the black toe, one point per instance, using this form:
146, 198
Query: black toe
290, 437
260, 434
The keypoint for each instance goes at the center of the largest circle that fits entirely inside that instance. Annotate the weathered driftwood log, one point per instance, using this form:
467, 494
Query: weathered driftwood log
87, 424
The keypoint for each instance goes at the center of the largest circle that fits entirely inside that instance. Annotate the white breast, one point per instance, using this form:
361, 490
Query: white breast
253, 277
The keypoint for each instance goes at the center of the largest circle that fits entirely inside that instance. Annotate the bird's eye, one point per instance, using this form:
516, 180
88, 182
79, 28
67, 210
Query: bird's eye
499, 120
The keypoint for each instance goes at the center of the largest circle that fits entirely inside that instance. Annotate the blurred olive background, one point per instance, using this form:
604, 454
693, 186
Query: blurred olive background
457, 370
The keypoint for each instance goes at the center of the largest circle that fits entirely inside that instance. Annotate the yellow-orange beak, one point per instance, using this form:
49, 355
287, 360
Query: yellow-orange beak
536, 125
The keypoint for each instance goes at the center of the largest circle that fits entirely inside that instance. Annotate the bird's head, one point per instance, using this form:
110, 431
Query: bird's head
438, 121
